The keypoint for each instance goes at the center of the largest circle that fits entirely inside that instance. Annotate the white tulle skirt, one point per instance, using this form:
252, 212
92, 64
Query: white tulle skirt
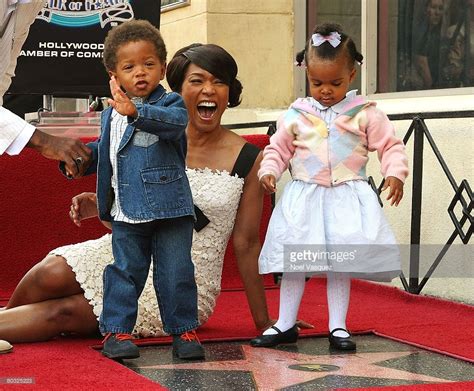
343, 229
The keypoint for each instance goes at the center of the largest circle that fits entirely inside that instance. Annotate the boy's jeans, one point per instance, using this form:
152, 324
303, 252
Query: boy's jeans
169, 241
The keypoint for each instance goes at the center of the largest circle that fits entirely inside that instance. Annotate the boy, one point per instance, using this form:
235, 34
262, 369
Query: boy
142, 189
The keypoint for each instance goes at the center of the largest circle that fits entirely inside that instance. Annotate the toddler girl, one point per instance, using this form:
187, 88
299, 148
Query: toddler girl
328, 218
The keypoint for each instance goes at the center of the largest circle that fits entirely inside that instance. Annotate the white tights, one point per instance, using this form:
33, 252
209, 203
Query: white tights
338, 293
291, 292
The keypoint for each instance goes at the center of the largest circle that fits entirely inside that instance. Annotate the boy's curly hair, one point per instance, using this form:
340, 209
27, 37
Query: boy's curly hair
131, 31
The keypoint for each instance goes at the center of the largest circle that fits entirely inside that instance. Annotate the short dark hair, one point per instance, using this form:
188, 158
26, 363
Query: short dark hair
326, 51
212, 58
131, 31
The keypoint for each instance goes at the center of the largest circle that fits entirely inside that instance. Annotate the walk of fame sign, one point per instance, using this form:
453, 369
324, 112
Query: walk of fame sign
63, 53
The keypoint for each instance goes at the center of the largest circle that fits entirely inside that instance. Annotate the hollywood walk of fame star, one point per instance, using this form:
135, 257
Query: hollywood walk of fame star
275, 369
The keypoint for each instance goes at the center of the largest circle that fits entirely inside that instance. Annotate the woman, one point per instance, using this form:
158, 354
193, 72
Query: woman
63, 293
427, 54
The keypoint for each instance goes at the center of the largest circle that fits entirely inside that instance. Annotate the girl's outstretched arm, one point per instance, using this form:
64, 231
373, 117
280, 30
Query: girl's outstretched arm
390, 149
278, 153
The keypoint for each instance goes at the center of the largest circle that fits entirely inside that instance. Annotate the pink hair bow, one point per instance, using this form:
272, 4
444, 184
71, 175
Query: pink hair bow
333, 38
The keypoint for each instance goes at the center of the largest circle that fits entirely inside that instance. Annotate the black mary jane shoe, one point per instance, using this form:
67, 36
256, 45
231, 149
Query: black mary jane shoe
341, 343
267, 341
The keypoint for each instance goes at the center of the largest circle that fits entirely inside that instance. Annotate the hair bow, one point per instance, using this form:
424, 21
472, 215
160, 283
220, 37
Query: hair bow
333, 38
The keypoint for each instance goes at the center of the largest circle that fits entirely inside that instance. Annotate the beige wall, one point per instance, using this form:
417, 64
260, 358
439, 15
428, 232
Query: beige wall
259, 34
185, 25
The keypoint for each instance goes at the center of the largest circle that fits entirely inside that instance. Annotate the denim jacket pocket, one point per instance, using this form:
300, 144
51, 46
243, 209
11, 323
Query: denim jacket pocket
144, 139
164, 187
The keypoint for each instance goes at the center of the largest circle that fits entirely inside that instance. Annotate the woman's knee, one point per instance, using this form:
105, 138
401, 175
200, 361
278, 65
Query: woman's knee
73, 314
54, 275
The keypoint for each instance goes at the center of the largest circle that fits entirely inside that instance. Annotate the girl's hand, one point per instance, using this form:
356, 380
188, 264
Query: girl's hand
83, 206
120, 101
268, 182
396, 189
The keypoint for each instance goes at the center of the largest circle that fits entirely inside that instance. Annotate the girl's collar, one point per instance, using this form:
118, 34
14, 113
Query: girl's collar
338, 107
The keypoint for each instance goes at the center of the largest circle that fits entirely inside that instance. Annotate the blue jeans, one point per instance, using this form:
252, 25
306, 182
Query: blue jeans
169, 241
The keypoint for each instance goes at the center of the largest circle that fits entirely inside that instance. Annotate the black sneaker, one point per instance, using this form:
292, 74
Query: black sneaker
187, 346
119, 346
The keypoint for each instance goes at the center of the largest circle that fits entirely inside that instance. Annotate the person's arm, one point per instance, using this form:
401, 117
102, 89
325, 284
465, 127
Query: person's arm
14, 132
13, 128
168, 121
25, 15
278, 153
421, 63
453, 67
64, 149
390, 149
246, 240
391, 153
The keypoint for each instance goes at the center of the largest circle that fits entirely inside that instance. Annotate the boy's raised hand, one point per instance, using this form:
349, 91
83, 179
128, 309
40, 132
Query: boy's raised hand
269, 183
120, 101
396, 190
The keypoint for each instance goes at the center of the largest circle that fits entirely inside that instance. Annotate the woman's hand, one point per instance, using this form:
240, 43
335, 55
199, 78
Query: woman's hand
269, 183
396, 189
83, 206
120, 101
303, 325
265, 326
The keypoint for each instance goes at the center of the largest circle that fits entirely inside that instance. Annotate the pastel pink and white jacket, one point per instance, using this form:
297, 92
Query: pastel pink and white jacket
331, 156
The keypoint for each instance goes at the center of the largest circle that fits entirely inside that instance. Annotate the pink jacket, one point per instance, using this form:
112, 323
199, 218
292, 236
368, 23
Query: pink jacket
332, 156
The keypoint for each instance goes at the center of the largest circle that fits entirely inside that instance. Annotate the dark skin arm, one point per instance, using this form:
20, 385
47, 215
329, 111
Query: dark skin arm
61, 148
247, 249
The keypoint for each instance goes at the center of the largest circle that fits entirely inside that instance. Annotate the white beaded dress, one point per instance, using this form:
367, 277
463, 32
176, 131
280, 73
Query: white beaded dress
217, 194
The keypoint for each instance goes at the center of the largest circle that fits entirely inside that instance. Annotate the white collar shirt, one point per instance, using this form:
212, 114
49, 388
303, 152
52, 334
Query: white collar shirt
329, 114
16, 16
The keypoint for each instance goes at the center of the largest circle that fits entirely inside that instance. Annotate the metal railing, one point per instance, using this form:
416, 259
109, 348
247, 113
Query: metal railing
463, 195
420, 131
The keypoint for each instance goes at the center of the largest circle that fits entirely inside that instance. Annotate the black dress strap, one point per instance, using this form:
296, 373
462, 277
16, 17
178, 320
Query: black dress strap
243, 165
244, 162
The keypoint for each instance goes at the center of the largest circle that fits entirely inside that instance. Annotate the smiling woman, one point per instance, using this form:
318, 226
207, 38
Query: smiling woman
222, 171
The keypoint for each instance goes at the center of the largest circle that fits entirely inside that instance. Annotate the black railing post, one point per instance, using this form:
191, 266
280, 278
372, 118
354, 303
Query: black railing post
416, 206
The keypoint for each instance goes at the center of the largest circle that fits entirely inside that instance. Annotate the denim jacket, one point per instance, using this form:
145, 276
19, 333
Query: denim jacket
151, 176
